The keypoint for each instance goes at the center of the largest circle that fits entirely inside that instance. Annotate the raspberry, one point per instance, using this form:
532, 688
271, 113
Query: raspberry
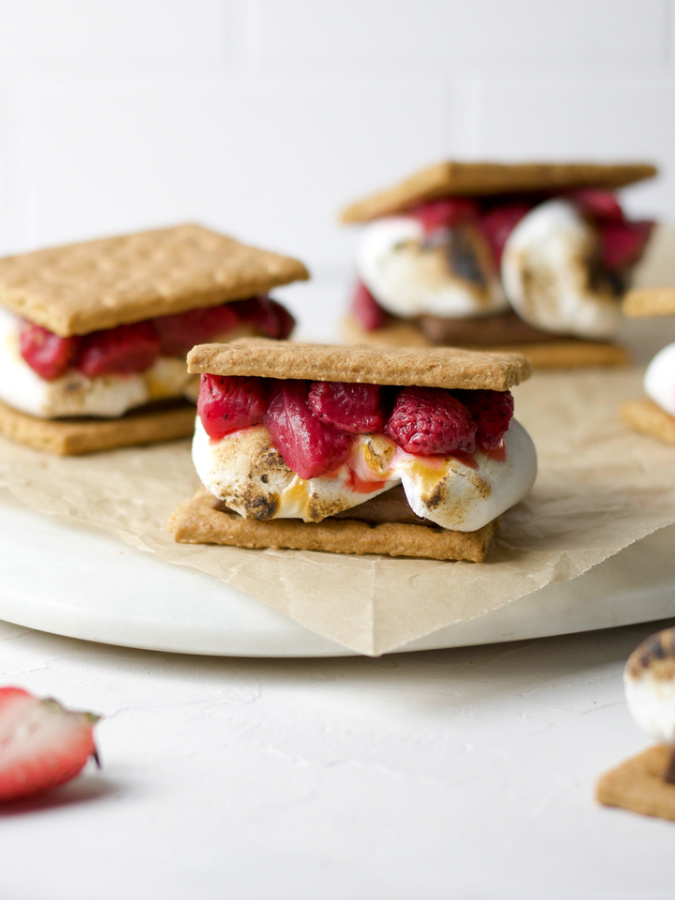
492, 412
430, 421
227, 404
597, 204
623, 243
355, 408
180, 332
124, 350
365, 308
267, 317
448, 212
498, 223
306, 445
45, 352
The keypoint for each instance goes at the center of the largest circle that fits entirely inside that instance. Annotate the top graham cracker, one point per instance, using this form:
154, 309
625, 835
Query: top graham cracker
483, 178
445, 367
652, 301
99, 284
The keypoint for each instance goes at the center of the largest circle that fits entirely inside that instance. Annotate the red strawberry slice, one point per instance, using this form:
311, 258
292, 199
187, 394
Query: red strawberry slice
42, 745
430, 421
45, 352
354, 408
265, 315
180, 332
124, 350
365, 308
448, 212
623, 243
597, 204
227, 404
306, 445
492, 412
498, 223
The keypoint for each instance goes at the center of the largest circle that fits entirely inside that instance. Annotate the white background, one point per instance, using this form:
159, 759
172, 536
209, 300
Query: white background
263, 117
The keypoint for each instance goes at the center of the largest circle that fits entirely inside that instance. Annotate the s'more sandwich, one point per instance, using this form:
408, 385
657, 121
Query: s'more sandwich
395, 451
93, 336
655, 413
532, 257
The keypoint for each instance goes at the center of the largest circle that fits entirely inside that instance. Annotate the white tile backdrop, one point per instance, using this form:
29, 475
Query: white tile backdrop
262, 117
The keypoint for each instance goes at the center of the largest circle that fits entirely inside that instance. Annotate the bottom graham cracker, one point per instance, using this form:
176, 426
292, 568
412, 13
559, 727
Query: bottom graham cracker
638, 784
71, 437
646, 417
197, 521
554, 354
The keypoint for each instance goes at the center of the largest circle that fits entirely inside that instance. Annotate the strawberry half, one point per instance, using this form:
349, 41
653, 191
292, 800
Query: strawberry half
42, 745
492, 411
430, 421
45, 352
226, 404
365, 308
448, 212
118, 351
354, 408
498, 223
597, 204
623, 243
306, 445
265, 315
180, 332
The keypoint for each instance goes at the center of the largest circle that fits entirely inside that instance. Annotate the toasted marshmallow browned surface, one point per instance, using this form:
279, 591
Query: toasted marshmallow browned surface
454, 178
80, 288
445, 367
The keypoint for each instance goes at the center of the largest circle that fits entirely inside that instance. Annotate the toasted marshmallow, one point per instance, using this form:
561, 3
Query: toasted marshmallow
547, 276
246, 471
74, 394
649, 680
451, 274
659, 380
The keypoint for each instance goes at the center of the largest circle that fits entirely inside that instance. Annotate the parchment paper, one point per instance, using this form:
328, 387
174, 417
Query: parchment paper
600, 488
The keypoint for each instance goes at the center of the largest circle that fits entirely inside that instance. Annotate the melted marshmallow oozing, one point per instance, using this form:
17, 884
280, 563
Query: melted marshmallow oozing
246, 472
74, 394
408, 277
545, 274
659, 380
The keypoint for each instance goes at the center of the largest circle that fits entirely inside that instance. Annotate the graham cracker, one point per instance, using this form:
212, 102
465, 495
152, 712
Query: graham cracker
453, 178
98, 284
649, 301
198, 522
554, 354
444, 367
72, 437
638, 785
645, 416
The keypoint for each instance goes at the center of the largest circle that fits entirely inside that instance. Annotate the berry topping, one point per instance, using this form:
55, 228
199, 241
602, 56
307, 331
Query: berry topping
623, 243
42, 745
365, 308
430, 421
498, 223
306, 445
492, 412
118, 351
227, 404
597, 204
355, 408
447, 212
265, 315
180, 332
45, 352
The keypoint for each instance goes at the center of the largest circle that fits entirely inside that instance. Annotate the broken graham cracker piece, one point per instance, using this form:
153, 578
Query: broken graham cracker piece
444, 367
199, 521
552, 354
638, 784
652, 301
453, 178
71, 437
80, 288
645, 416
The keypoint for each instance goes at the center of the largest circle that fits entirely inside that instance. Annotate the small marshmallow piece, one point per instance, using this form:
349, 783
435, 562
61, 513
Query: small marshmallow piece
649, 679
660, 379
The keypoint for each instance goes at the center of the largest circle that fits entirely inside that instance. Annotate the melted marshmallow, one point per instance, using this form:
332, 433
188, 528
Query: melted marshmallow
660, 379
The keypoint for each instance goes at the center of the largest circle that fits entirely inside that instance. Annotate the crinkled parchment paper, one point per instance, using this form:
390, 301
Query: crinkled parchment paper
600, 488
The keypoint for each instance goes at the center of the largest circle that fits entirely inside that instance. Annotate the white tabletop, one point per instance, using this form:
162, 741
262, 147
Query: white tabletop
450, 773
